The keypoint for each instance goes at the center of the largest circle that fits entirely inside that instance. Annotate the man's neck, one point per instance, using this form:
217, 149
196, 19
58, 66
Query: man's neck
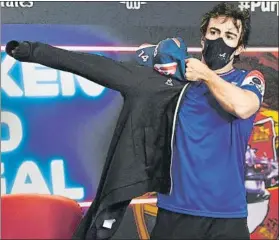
223, 70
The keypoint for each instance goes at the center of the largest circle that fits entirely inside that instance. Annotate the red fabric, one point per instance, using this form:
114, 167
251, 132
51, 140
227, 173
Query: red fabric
35, 216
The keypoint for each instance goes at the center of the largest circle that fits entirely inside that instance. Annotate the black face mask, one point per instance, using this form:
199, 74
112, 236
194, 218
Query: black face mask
216, 53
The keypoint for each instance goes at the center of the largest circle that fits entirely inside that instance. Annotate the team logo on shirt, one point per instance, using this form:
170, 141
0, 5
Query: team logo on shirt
169, 82
255, 78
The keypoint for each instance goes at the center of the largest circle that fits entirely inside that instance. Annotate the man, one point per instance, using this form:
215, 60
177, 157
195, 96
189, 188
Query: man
208, 198
142, 143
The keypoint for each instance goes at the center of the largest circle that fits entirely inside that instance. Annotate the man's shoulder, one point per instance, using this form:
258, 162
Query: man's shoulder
246, 73
254, 77
243, 76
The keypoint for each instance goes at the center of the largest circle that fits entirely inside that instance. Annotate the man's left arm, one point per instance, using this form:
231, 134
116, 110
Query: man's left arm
242, 101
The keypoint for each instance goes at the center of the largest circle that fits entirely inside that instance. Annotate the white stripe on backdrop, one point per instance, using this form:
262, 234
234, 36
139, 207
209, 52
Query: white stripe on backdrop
132, 49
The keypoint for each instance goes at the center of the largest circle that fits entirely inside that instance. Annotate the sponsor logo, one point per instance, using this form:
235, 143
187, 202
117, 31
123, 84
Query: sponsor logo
256, 79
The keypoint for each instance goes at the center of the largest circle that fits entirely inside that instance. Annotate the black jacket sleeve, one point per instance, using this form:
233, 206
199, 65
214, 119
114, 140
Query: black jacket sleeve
101, 70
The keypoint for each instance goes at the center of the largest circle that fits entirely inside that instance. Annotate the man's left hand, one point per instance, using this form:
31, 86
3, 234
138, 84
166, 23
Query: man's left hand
196, 70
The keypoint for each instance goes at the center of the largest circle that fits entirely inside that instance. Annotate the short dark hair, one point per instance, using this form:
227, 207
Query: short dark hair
229, 11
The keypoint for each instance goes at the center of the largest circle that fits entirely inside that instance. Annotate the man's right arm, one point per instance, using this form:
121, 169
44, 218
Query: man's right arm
99, 69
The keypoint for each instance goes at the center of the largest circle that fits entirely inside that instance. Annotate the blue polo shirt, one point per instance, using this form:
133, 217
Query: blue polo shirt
208, 163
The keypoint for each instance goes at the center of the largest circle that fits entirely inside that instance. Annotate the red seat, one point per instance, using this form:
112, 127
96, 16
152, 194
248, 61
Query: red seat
36, 216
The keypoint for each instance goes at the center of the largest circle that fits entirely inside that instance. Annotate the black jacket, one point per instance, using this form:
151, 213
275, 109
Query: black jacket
139, 157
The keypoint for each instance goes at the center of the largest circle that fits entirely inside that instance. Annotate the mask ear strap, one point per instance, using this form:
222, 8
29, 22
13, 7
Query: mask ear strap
233, 56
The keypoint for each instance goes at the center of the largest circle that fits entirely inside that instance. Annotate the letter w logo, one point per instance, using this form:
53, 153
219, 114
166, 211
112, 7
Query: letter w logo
134, 5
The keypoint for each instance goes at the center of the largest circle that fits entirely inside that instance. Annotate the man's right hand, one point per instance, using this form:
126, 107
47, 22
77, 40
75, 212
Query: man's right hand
18, 50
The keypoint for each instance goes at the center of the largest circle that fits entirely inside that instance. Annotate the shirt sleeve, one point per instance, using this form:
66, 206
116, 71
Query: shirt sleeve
255, 83
101, 70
